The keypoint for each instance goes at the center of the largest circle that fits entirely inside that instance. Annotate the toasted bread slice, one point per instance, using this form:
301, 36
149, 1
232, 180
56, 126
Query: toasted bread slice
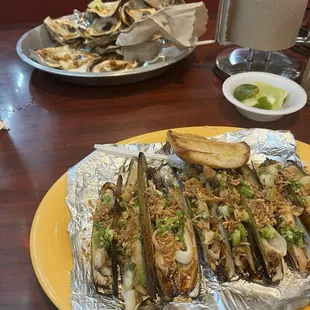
196, 149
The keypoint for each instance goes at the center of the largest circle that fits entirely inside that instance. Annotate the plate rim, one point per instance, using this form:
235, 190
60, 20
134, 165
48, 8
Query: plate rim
60, 304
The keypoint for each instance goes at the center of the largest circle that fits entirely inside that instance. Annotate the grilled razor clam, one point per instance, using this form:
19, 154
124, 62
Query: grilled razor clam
217, 252
299, 189
175, 249
102, 235
262, 214
103, 9
63, 30
114, 65
129, 248
285, 214
235, 220
63, 57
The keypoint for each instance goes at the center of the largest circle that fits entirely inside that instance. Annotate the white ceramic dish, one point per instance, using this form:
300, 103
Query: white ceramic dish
296, 99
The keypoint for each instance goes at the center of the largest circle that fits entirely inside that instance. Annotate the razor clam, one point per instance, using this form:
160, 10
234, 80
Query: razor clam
173, 238
288, 226
63, 30
114, 65
216, 248
263, 213
129, 247
235, 220
103, 9
146, 226
299, 189
66, 58
101, 241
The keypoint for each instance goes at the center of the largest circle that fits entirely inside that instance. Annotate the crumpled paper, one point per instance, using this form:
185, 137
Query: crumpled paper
180, 24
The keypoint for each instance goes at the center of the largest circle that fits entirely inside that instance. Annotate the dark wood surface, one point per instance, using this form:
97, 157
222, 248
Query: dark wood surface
21, 11
53, 125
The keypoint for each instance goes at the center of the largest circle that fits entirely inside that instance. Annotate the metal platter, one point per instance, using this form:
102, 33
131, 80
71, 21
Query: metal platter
39, 38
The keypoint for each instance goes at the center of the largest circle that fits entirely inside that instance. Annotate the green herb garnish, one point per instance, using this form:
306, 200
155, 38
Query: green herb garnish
293, 235
267, 232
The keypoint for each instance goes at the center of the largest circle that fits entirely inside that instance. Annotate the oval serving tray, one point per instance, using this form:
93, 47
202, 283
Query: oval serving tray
39, 38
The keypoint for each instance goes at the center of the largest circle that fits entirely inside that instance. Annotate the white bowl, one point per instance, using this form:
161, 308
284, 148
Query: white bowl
296, 99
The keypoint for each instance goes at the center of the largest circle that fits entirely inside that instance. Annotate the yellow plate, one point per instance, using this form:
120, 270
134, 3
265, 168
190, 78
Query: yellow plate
49, 241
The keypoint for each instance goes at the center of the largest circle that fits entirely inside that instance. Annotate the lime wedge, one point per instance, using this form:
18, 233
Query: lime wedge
251, 102
245, 91
264, 103
276, 96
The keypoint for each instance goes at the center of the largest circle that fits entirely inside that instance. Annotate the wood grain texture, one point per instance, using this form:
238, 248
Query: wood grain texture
53, 125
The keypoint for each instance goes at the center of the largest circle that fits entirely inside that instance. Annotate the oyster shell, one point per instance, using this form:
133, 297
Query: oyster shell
114, 65
135, 10
63, 30
101, 41
106, 50
103, 9
66, 58
104, 26
159, 4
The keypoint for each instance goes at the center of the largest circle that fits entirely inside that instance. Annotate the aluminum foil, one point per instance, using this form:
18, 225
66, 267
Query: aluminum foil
84, 182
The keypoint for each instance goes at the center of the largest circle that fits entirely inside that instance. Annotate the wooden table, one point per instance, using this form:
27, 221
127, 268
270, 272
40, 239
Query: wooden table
53, 125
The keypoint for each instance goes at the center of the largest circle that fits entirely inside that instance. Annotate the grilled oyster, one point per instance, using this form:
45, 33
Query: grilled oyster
104, 26
101, 41
114, 65
173, 238
159, 4
103, 9
63, 30
101, 241
63, 57
135, 10
135, 274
